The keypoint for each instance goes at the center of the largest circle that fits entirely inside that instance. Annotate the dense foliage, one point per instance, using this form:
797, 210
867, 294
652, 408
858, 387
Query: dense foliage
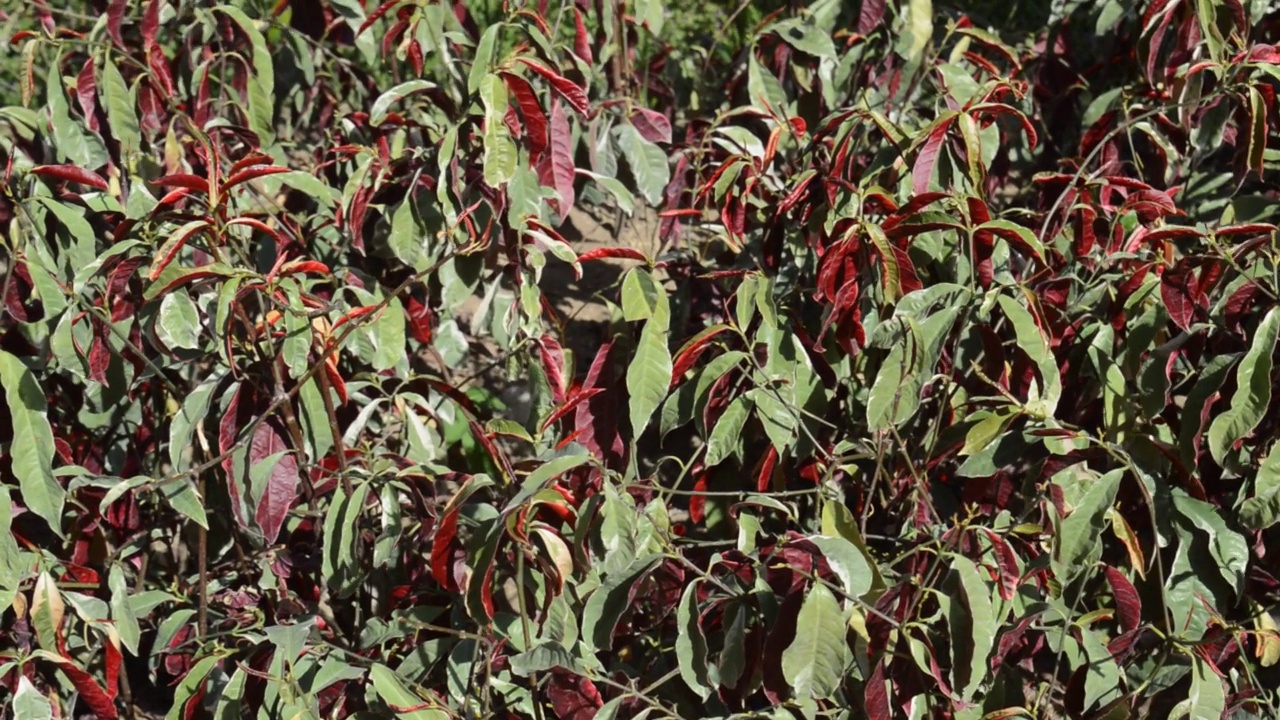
918, 364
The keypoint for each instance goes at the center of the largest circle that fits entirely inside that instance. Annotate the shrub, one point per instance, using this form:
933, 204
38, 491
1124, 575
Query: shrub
927, 371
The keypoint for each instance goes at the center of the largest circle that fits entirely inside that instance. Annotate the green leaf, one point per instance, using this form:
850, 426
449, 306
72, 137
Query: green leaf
70, 138
643, 298
398, 697
727, 432
378, 113
543, 657
815, 661
483, 58
849, 563
194, 409
605, 607
1078, 538
649, 375
499, 156
917, 31
122, 612
764, 88
691, 644
339, 566
178, 325
12, 566
29, 703
33, 466
191, 684
1228, 548
647, 161
837, 521
1253, 390
1034, 344
1206, 699
183, 497
118, 100
1263, 509
981, 623
406, 236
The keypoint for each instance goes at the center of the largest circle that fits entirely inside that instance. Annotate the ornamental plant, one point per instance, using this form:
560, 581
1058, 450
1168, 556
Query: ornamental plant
599, 359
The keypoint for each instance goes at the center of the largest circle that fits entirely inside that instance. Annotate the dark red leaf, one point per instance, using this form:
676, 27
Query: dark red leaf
876, 697
71, 173
535, 120
870, 14
115, 14
1128, 604
442, 545
581, 41
86, 93
764, 475
698, 501
570, 404
90, 692
1008, 565
377, 13
561, 160
1179, 290
251, 173
570, 91
692, 350
184, 180
421, 319
573, 697
922, 171
170, 248
652, 126
99, 353
612, 252
151, 23
551, 355
282, 485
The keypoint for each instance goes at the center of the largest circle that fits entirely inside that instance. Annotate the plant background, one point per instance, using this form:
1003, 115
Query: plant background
889, 358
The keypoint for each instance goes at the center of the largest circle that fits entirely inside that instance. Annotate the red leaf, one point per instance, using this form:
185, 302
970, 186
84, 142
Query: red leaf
1178, 289
652, 126
282, 486
573, 697
916, 204
71, 173
251, 173
237, 415
922, 171
1128, 604
373, 16
184, 180
1008, 564
561, 160
151, 23
552, 357
870, 15
86, 93
170, 248
876, 697
692, 350
99, 353
295, 267
570, 91
421, 319
570, 404
90, 692
767, 464
612, 252
535, 121
160, 74
442, 547
115, 14
581, 41
698, 501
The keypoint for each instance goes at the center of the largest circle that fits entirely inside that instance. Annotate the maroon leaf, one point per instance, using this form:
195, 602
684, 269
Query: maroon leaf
372, 18
251, 173
1008, 565
876, 696
86, 93
99, 353
560, 161
652, 126
1128, 604
441, 547
90, 691
922, 171
570, 91
551, 355
71, 173
581, 41
151, 23
115, 14
170, 248
282, 485
421, 319
612, 252
870, 15
692, 350
1179, 289
535, 121
573, 697
570, 404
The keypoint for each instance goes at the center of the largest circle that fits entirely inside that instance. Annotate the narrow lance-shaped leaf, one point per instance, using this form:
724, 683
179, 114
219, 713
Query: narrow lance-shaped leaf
649, 375
33, 442
1253, 390
691, 644
814, 663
